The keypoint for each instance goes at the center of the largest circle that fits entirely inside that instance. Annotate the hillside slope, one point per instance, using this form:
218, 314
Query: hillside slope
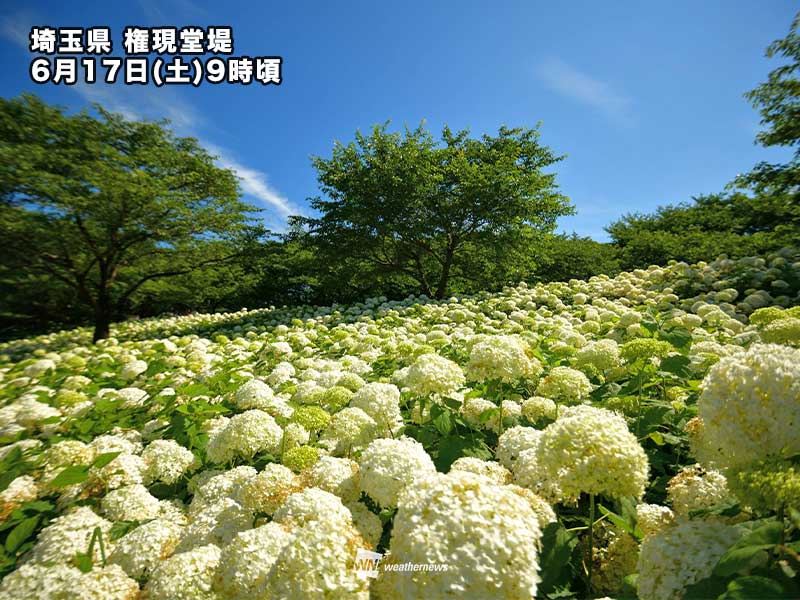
188, 445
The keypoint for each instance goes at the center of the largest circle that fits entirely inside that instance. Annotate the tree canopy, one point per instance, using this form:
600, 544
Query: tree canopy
102, 205
404, 207
778, 101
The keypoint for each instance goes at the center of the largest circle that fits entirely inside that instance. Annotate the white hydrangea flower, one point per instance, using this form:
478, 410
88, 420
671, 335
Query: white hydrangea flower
513, 442
318, 562
381, 401
39, 367
268, 490
310, 505
591, 450
253, 394
130, 503
282, 373
501, 357
32, 581
239, 576
212, 486
749, 405
215, 523
349, 429
69, 534
538, 407
366, 522
652, 518
390, 465
473, 410
603, 355
125, 469
339, 476
438, 520
681, 555
433, 374
565, 386
61, 582
694, 488
185, 576
133, 369
245, 434
543, 509
167, 461
494, 472
116, 442
140, 551
21, 489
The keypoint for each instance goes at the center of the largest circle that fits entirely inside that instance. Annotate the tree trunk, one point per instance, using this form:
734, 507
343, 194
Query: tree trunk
444, 280
102, 319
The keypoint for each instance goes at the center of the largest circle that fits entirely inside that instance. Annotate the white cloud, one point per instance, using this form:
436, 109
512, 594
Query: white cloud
576, 85
16, 28
254, 183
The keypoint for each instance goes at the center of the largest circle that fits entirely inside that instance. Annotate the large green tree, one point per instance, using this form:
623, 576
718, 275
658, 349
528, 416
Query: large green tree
405, 208
778, 101
103, 206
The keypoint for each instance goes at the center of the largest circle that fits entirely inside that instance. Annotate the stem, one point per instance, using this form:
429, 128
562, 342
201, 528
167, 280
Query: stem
102, 546
639, 406
782, 538
591, 545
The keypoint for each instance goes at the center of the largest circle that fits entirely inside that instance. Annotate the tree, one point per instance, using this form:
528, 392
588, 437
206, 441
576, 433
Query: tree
734, 224
404, 207
105, 205
566, 257
778, 101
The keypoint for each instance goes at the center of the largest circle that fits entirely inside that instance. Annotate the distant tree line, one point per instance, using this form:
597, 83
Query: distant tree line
102, 218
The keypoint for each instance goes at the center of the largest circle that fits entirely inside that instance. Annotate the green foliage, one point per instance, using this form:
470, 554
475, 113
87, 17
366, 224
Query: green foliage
405, 210
778, 101
564, 257
733, 224
18, 532
98, 208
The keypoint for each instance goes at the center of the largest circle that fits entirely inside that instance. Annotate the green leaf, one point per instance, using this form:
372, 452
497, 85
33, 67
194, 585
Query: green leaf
122, 528
20, 533
680, 337
657, 438
705, 589
752, 587
617, 520
558, 545
37, 506
83, 560
441, 419
676, 365
103, 459
730, 509
70, 476
746, 551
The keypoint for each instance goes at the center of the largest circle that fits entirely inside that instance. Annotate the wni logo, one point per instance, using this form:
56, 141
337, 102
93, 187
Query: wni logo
366, 564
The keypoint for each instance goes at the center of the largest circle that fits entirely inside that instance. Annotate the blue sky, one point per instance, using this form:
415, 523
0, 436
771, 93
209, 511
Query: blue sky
645, 99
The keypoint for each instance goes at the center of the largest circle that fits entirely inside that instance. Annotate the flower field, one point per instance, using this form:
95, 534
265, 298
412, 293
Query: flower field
635, 436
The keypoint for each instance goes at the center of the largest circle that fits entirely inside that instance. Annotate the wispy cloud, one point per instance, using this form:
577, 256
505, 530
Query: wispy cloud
581, 87
254, 183
140, 102
16, 28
